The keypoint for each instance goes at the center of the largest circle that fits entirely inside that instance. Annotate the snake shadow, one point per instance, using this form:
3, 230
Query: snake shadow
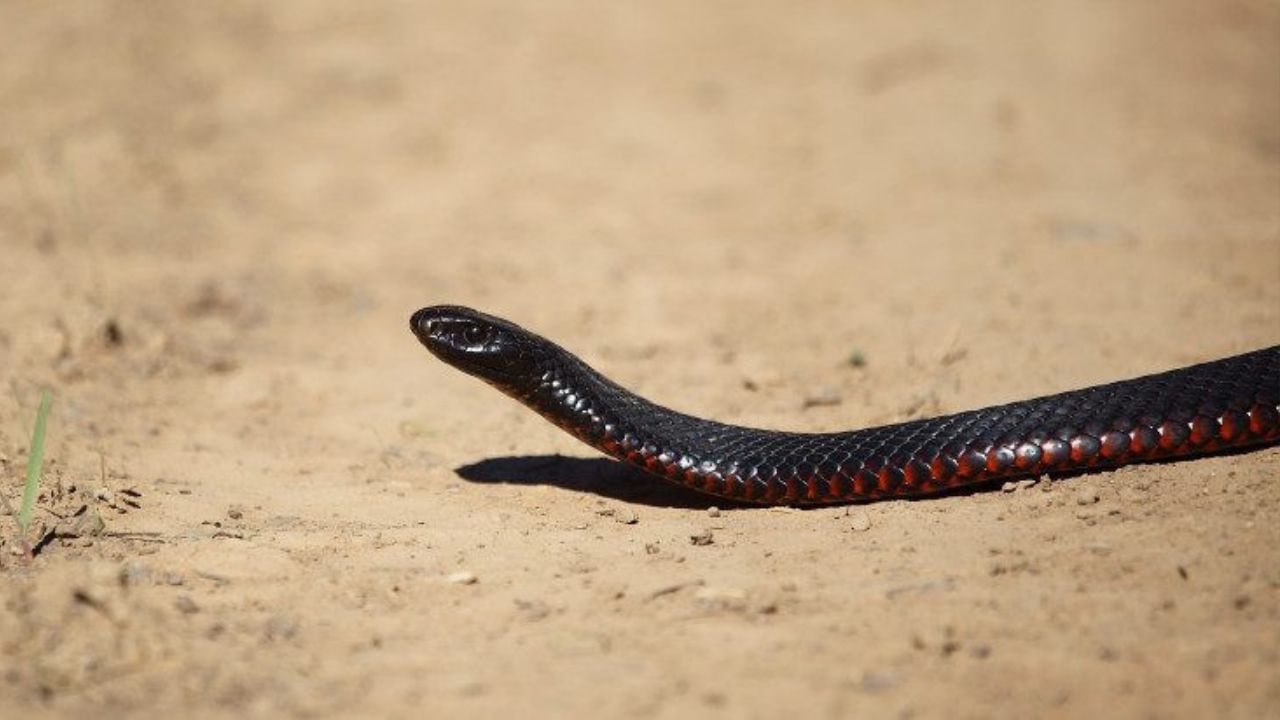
597, 476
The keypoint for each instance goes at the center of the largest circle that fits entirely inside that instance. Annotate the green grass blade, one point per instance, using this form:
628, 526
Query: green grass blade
35, 461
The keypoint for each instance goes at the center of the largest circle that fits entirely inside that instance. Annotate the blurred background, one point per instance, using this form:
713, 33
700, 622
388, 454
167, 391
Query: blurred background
216, 218
863, 172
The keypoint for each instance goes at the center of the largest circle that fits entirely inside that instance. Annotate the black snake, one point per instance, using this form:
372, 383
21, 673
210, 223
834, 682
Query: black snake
1213, 406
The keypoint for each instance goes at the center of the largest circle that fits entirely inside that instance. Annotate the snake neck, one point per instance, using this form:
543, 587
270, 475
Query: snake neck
577, 398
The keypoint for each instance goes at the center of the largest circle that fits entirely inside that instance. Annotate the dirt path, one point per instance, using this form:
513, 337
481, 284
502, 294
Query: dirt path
216, 218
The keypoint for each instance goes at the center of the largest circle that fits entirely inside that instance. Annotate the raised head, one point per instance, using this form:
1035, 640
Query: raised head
490, 348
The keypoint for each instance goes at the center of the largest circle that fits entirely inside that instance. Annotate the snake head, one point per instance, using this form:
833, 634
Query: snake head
490, 348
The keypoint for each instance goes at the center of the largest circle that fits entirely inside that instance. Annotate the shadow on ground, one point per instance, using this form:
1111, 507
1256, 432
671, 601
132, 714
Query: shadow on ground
597, 476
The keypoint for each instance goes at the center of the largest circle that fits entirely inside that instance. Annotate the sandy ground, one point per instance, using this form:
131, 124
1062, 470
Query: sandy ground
216, 218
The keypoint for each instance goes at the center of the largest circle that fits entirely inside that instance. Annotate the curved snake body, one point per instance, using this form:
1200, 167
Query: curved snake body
1213, 406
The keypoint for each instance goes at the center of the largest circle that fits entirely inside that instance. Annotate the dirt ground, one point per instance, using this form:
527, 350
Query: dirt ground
266, 499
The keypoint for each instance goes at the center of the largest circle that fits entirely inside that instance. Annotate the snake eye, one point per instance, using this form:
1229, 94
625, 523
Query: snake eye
475, 335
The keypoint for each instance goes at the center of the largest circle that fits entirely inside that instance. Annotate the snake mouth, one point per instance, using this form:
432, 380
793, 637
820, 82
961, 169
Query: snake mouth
434, 325
425, 325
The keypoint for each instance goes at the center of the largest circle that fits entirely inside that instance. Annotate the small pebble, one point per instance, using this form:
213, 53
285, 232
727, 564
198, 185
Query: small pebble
877, 682
721, 598
713, 511
859, 521
280, 627
703, 538
186, 605
235, 513
533, 610
462, 577
1086, 497
823, 397
626, 516
135, 573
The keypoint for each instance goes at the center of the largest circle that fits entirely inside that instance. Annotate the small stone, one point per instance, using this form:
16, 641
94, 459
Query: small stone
877, 682
1009, 487
85, 523
280, 627
533, 610
703, 538
411, 429
823, 397
713, 511
174, 578
764, 606
462, 577
235, 513
721, 598
186, 605
859, 521
135, 573
626, 516
1087, 496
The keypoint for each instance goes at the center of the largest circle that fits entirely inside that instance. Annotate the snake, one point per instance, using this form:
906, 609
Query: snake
1216, 406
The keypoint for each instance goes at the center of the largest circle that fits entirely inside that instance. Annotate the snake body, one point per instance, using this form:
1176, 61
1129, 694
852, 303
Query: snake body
1214, 406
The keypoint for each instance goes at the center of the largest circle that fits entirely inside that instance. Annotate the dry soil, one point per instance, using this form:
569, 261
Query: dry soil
264, 498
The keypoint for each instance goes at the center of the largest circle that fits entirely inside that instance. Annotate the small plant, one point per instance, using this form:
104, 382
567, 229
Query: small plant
35, 462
